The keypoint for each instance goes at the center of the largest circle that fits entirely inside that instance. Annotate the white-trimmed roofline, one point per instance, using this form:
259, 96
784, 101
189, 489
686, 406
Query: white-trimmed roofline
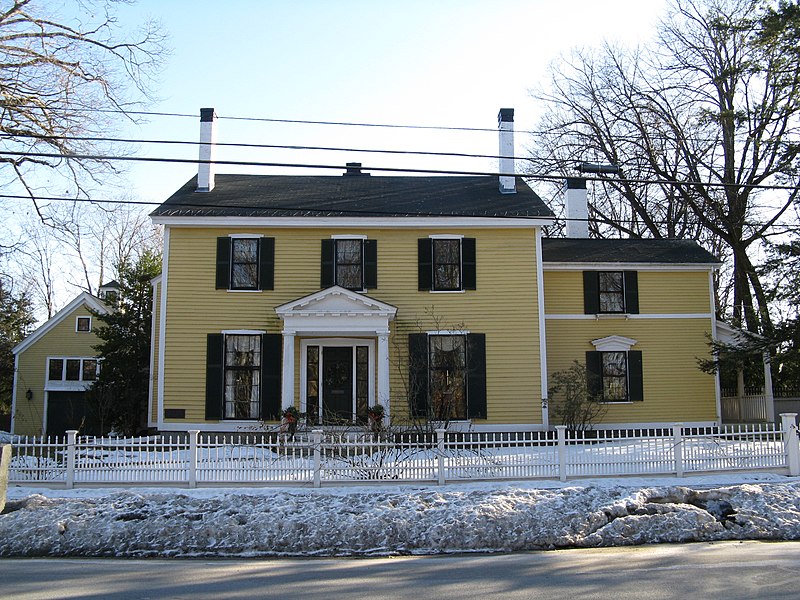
84, 298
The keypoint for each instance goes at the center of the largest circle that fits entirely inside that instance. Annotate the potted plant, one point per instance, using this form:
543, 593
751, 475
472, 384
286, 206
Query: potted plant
375, 417
289, 418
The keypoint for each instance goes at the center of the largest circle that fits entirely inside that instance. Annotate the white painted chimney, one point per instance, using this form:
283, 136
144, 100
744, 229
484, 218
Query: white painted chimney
208, 150
505, 125
576, 208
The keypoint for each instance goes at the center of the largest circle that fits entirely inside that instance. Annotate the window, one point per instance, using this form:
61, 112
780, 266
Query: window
351, 263
447, 375
242, 376
615, 376
610, 292
245, 263
72, 369
447, 264
83, 324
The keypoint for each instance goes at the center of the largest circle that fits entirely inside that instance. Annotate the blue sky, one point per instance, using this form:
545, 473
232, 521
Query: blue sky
440, 62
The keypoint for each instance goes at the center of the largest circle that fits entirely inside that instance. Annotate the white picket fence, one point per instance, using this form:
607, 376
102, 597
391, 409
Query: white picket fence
330, 457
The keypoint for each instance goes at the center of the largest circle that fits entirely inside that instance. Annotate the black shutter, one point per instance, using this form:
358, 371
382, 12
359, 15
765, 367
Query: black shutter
215, 375
418, 374
476, 375
591, 292
266, 264
594, 374
635, 379
468, 276
631, 279
370, 264
271, 372
223, 263
425, 263
327, 268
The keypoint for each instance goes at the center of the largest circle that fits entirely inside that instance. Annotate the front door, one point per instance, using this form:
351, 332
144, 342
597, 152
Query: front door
337, 384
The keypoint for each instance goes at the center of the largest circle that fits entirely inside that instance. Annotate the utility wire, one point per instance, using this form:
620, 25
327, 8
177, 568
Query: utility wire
788, 227
533, 176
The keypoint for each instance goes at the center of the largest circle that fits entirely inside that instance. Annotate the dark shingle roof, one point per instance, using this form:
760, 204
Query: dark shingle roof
358, 196
571, 250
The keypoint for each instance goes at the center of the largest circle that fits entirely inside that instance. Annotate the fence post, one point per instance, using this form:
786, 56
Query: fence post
677, 447
440, 433
193, 434
561, 430
316, 435
791, 443
71, 438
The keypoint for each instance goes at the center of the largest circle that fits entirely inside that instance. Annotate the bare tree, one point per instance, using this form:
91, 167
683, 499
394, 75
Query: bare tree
710, 110
64, 80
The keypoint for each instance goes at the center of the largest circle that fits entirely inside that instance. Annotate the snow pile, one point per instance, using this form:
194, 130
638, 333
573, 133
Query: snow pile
389, 520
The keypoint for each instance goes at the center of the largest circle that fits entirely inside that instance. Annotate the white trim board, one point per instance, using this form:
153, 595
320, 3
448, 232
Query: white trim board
620, 266
625, 316
84, 298
359, 223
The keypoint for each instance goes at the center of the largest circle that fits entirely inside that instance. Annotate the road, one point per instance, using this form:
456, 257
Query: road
729, 570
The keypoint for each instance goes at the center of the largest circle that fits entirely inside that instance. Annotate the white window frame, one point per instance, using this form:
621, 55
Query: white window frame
77, 322
447, 236
64, 385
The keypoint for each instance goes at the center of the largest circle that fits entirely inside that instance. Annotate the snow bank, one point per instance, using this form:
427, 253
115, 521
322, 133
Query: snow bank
390, 520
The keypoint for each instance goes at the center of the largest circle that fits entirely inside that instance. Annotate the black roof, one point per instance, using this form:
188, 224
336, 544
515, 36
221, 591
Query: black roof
356, 195
581, 250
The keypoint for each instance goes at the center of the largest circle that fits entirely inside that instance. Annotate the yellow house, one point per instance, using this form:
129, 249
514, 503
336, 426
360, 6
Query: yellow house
53, 367
434, 297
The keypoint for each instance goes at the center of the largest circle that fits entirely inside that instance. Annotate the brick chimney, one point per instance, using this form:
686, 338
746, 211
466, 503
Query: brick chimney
576, 208
505, 125
208, 138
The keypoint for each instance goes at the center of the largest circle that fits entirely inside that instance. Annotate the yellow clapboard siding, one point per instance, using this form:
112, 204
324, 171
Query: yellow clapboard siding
60, 341
660, 292
674, 387
504, 307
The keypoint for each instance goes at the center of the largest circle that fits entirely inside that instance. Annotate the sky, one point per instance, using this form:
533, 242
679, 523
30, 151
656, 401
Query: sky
411, 62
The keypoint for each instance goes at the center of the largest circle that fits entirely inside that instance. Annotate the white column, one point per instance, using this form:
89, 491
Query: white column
768, 394
383, 372
288, 370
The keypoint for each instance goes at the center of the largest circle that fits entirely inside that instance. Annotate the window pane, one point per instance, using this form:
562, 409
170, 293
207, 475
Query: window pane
612, 297
448, 377
242, 376
55, 369
89, 370
446, 264
73, 369
84, 323
244, 264
312, 384
362, 383
349, 265
615, 376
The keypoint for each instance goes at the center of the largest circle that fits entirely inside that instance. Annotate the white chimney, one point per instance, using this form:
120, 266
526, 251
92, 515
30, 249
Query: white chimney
576, 208
505, 125
208, 150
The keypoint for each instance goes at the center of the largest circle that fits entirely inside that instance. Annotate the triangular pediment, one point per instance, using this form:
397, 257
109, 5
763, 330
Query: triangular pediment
336, 301
614, 343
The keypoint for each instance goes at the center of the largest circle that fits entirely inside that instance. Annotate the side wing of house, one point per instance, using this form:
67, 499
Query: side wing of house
53, 368
638, 315
430, 320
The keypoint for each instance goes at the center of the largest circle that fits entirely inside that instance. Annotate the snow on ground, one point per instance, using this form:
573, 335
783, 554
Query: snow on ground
481, 517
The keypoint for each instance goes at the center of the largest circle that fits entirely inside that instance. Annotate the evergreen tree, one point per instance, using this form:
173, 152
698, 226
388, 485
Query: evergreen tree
16, 320
119, 396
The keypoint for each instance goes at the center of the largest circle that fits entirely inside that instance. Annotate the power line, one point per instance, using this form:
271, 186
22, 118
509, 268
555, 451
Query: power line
788, 227
533, 176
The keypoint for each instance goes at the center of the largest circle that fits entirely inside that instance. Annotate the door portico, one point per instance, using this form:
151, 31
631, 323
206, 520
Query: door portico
336, 318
